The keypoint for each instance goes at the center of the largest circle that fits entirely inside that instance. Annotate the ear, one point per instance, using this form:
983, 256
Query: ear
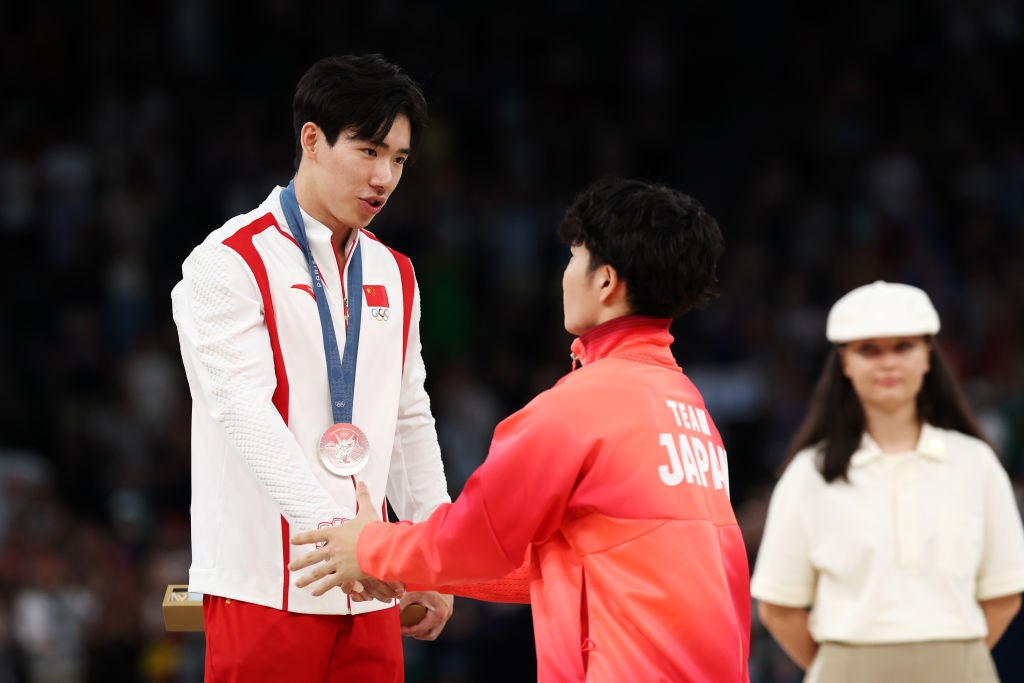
309, 137
841, 353
612, 289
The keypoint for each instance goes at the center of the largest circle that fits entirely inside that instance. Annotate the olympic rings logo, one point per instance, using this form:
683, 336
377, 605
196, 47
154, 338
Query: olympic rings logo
380, 314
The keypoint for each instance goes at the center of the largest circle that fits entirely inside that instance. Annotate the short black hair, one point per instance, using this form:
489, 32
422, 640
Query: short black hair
661, 242
364, 92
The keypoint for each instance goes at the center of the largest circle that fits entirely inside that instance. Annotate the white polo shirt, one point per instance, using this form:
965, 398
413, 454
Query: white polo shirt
903, 551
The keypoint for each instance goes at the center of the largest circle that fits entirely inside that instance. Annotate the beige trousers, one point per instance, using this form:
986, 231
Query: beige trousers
945, 661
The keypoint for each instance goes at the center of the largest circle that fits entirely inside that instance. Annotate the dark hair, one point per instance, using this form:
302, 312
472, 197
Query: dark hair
835, 420
364, 92
661, 242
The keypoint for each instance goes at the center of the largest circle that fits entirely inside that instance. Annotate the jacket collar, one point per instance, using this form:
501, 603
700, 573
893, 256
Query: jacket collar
316, 232
635, 337
930, 444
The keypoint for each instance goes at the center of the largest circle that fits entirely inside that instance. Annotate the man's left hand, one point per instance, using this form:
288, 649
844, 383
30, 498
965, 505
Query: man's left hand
439, 611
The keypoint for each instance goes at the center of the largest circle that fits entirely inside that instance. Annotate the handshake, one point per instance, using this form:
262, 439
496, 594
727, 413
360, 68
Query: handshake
332, 563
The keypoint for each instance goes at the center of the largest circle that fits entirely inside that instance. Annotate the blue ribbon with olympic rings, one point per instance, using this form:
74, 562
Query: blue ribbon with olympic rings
341, 372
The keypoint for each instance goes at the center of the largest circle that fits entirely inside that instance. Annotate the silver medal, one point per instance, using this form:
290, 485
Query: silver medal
344, 449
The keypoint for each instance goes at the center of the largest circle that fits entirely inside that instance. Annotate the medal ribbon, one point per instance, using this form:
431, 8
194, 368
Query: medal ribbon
341, 372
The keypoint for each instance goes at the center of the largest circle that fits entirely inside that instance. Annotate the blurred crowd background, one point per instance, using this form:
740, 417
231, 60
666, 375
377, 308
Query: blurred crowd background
837, 143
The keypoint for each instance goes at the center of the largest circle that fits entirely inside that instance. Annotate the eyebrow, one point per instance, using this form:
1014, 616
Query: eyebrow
404, 150
380, 143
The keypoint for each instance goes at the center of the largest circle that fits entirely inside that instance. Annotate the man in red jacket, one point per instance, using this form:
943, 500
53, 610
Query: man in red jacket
604, 502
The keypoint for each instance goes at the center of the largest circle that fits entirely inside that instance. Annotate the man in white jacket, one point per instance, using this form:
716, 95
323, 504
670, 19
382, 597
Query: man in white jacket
299, 333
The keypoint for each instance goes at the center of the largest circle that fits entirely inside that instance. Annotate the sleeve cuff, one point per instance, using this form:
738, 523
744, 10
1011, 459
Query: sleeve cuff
999, 586
779, 594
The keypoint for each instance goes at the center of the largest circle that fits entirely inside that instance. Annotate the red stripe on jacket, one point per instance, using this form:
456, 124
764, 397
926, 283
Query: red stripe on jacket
242, 243
406, 273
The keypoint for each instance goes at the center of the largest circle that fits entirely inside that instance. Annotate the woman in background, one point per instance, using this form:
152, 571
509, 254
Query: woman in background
893, 548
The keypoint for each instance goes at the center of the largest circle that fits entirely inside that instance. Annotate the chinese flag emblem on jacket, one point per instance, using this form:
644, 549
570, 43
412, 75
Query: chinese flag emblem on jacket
376, 295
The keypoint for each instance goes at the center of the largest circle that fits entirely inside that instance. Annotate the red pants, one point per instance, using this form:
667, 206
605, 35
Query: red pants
248, 643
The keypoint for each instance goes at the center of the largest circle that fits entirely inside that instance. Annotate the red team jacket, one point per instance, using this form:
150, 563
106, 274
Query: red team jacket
613, 485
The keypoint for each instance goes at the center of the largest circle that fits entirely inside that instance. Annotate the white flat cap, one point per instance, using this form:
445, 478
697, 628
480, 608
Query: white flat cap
881, 309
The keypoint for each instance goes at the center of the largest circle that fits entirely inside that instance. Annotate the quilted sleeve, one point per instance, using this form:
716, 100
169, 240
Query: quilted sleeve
229, 362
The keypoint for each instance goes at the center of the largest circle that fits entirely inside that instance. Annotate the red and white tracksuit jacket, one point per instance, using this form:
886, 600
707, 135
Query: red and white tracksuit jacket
614, 487
253, 352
